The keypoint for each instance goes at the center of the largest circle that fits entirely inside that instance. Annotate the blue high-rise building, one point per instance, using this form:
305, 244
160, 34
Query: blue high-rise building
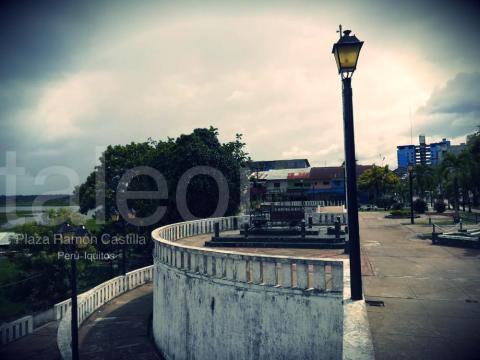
423, 153
405, 155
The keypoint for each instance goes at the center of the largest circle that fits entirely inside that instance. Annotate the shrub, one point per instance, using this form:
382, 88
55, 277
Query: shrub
420, 206
439, 206
397, 206
384, 202
403, 212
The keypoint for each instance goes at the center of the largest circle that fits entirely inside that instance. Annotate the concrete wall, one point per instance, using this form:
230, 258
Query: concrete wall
198, 317
216, 304
43, 317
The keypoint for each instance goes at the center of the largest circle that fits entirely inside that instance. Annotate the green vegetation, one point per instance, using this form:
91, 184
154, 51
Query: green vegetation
456, 179
400, 213
379, 182
171, 158
420, 206
439, 207
34, 277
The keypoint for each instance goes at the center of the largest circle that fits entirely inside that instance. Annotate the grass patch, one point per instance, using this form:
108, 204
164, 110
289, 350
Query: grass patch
8, 271
92, 226
10, 310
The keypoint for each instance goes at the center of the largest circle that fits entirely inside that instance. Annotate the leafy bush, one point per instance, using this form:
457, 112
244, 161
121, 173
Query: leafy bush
397, 206
420, 206
403, 212
384, 202
439, 206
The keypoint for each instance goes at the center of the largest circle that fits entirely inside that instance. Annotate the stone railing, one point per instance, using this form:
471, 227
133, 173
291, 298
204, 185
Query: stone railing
16, 329
287, 272
92, 299
190, 281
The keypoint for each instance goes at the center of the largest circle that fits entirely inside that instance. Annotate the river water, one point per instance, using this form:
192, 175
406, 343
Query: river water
36, 214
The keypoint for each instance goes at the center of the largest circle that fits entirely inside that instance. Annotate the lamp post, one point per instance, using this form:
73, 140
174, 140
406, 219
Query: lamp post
410, 181
118, 228
68, 236
346, 52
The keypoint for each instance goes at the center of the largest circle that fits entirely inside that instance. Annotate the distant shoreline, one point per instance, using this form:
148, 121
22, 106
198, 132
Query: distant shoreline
46, 200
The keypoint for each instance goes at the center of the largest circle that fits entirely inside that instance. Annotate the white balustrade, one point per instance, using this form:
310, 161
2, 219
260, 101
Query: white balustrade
274, 271
94, 298
16, 329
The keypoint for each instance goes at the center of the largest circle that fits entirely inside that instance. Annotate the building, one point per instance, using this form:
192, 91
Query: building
423, 153
278, 164
313, 183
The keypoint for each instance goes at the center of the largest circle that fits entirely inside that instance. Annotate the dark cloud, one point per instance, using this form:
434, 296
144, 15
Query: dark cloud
454, 109
39, 38
42, 43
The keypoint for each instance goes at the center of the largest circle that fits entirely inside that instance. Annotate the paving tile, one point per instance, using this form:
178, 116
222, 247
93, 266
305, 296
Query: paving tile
425, 289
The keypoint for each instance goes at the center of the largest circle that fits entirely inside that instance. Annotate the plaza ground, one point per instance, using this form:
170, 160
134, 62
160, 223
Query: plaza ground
430, 293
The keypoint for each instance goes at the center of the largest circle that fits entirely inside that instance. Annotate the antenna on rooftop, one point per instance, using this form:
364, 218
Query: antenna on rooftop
411, 124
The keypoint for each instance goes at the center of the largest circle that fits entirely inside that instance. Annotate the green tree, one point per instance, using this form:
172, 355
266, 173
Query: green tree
451, 168
424, 181
172, 158
378, 181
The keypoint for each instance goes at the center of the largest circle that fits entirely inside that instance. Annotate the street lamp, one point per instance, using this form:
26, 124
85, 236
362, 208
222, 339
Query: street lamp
346, 52
68, 237
119, 227
410, 180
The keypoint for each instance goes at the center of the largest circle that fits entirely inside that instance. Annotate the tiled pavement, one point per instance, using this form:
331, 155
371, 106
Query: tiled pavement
120, 329
40, 345
431, 293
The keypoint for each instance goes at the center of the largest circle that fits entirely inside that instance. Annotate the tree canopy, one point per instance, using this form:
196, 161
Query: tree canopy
172, 158
378, 181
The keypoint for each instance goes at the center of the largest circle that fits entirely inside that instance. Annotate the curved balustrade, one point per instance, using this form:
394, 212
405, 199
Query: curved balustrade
92, 299
282, 271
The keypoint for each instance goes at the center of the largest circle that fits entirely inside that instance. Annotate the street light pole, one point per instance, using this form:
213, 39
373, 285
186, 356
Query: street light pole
352, 201
410, 180
346, 52
74, 314
67, 231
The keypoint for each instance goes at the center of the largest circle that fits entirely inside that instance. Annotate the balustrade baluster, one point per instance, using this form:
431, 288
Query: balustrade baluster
287, 274
319, 277
269, 273
337, 278
256, 268
302, 275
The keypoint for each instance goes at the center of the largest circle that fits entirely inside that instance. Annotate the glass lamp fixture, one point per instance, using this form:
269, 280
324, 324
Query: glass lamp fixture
346, 51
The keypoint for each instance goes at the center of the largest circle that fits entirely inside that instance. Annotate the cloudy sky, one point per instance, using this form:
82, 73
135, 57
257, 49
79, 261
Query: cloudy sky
77, 76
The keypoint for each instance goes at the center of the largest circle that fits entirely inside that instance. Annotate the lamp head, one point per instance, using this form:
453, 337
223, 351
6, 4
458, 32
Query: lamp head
346, 51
